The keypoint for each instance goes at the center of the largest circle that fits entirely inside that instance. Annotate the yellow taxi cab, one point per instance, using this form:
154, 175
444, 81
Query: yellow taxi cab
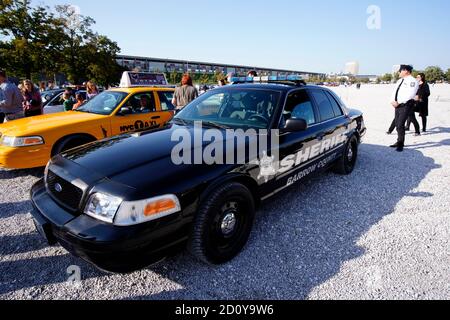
143, 101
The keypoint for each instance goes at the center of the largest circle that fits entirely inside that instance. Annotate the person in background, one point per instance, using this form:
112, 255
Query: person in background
252, 74
11, 101
42, 86
221, 82
403, 102
412, 119
51, 85
230, 77
69, 91
185, 94
422, 99
32, 101
68, 102
79, 101
91, 89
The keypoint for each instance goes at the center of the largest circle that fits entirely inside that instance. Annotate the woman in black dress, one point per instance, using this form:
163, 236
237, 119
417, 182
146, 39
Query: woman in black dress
422, 99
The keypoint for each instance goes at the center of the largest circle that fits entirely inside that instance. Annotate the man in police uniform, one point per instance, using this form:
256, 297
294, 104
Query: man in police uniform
403, 102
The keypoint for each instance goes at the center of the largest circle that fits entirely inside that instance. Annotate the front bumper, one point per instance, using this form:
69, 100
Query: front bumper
24, 157
108, 247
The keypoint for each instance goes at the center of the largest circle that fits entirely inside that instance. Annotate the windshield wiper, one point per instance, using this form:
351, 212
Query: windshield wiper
181, 121
215, 125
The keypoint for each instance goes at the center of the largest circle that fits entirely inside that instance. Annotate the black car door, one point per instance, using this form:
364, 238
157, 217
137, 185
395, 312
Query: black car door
295, 147
333, 127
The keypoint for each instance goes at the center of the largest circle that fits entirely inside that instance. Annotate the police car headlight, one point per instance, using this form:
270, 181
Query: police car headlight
15, 142
136, 212
103, 207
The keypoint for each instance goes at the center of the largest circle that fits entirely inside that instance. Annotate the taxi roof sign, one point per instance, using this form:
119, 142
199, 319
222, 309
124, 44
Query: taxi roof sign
143, 79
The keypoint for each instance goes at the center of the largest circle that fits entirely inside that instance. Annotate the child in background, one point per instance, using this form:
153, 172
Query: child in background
68, 102
80, 101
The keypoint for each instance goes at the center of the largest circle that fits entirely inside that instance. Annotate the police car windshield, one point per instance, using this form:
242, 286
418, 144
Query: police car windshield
104, 103
233, 107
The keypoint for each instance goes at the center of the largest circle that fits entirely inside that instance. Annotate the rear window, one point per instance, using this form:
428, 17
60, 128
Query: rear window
323, 103
336, 108
165, 98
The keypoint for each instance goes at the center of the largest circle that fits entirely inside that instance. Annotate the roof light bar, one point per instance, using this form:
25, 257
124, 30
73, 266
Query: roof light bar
292, 78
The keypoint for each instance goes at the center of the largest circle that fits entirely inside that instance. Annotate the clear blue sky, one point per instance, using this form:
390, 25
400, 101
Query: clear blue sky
303, 35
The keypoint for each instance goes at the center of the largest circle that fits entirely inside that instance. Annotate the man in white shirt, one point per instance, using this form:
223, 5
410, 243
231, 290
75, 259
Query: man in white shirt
11, 100
403, 102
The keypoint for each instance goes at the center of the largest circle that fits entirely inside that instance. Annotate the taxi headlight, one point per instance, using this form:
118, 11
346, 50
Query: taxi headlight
15, 142
136, 212
103, 207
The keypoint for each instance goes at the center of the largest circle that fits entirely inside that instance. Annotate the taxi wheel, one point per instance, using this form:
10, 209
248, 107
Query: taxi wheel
347, 162
70, 143
223, 224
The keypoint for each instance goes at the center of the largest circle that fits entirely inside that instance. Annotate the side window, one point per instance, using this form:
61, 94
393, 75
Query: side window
57, 101
324, 105
141, 103
299, 106
165, 98
336, 108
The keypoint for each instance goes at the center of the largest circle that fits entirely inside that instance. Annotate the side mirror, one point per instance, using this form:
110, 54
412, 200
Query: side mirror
124, 111
295, 125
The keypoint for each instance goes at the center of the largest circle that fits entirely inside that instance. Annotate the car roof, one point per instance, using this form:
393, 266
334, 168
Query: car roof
271, 86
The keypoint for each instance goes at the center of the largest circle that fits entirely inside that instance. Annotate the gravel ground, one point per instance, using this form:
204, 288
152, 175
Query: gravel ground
381, 233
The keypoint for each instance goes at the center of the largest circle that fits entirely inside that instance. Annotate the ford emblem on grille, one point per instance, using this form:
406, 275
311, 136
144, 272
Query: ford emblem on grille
58, 187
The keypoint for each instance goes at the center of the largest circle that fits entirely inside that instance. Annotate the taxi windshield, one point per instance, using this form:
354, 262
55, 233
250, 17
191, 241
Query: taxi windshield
104, 103
232, 108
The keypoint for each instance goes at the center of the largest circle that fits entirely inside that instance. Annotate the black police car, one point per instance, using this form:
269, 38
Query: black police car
125, 202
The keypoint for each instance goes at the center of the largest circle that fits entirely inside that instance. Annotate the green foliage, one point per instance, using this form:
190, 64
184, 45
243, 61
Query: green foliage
434, 74
447, 75
174, 77
37, 42
32, 36
396, 76
387, 77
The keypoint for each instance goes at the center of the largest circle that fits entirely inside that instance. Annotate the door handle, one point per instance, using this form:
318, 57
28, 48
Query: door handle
156, 117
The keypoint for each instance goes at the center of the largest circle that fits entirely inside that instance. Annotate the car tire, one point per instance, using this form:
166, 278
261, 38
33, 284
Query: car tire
70, 143
223, 224
347, 162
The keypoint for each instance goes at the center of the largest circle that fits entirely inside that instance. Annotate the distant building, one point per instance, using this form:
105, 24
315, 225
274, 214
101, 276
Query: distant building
352, 68
146, 64
372, 78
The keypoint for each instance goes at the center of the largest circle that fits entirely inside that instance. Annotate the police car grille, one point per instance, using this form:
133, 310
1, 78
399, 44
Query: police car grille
63, 191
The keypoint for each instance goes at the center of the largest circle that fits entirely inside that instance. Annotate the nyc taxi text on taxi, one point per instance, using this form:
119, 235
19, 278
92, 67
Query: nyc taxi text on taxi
143, 101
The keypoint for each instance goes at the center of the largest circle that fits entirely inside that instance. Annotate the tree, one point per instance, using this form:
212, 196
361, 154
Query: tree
102, 67
174, 77
387, 77
77, 31
33, 38
218, 76
396, 76
434, 74
87, 55
447, 75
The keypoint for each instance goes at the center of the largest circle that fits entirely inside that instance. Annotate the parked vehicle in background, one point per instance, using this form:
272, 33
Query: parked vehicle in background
55, 104
31, 142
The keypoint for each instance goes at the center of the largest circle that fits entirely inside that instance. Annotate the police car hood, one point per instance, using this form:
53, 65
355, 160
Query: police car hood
142, 160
